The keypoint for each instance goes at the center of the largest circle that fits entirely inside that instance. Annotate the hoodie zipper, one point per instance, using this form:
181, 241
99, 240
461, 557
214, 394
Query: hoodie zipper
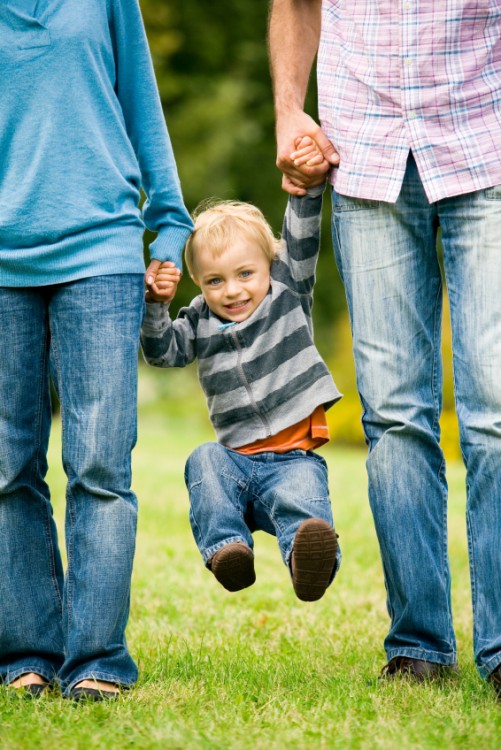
262, 416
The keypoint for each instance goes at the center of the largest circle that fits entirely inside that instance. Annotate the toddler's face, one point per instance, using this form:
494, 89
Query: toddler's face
235, 283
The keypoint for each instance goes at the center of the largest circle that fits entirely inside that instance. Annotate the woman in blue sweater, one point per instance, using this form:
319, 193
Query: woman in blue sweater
81, 130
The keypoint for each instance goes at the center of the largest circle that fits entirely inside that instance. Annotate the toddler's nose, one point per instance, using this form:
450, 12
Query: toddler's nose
232, 288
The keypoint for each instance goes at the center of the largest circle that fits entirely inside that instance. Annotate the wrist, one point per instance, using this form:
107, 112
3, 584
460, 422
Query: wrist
287, 107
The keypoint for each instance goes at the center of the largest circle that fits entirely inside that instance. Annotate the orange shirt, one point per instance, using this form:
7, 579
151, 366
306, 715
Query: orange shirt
306, 435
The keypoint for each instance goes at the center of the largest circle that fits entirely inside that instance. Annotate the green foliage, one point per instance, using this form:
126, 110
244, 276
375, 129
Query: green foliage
212, 70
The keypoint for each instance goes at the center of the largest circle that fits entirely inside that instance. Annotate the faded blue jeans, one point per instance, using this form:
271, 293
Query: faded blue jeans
233, 494
388, 260
68, 628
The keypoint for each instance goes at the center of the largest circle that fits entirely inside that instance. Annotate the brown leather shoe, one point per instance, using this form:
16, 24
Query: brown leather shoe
495, 680
416, 669
313, 559
233, 566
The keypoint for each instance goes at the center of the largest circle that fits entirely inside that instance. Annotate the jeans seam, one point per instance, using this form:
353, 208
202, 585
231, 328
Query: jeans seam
43, 368
68, 494
436, 424
445, 552
49, 542
436, 354
473, 583
69, 569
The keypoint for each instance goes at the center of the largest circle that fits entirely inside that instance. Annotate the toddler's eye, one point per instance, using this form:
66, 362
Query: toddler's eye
246, 274
214, 282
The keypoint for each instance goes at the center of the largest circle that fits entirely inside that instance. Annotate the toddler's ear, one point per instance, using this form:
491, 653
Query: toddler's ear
195, 281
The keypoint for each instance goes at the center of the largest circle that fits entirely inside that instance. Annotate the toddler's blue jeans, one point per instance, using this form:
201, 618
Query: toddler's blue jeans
233, 494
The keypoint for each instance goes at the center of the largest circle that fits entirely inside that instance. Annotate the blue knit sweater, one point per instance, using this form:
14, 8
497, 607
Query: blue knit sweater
81, 130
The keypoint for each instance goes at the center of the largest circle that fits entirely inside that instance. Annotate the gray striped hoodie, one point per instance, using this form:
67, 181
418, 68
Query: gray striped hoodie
264, 374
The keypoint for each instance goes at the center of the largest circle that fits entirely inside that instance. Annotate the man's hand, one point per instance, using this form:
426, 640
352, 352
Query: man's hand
161, 281
294, 35
298, 174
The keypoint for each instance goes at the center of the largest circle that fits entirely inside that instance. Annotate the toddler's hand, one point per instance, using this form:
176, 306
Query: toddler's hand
308, 154
162, 286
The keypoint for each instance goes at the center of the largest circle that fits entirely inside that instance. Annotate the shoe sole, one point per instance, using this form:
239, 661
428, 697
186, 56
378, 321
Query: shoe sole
313, 559
233, 567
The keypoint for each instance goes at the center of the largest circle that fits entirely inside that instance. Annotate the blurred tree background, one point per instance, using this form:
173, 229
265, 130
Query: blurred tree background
212, 70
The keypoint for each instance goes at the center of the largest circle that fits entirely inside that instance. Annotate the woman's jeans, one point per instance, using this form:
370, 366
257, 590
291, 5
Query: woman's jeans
233, 494
88, 330
388, 260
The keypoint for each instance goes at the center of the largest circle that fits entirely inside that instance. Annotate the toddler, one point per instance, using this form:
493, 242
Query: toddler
267, 390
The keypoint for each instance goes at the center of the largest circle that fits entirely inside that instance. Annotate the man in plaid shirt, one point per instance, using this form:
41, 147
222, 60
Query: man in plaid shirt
410, 111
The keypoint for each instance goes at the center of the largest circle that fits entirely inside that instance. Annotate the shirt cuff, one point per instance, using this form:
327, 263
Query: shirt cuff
314, 192
169, 245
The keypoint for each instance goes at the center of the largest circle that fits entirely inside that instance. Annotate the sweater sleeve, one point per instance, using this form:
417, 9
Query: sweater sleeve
301, 243
166, 342
164, 211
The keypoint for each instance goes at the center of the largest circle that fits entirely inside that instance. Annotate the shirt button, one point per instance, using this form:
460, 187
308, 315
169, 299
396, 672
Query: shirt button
408, 61
407, 6
412, 115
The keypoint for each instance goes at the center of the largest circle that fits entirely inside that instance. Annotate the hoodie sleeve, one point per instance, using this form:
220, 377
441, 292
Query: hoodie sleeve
301, 243
166, 342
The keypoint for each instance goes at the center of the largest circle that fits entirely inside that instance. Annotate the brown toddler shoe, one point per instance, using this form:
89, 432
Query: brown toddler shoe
233, 566
313, 559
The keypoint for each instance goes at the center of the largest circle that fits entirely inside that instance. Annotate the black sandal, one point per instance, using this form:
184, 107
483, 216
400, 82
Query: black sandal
92, 694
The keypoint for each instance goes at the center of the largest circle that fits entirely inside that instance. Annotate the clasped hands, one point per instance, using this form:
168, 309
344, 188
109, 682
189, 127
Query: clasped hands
161, 281
306, 166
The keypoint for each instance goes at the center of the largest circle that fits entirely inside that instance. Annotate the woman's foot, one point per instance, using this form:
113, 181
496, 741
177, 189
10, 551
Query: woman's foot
32, 683
94, 690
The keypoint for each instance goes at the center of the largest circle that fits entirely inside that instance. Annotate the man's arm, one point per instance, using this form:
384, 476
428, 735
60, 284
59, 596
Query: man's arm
294, 36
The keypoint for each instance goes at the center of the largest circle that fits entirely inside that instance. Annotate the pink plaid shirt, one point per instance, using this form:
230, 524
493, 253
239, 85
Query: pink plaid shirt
424, 75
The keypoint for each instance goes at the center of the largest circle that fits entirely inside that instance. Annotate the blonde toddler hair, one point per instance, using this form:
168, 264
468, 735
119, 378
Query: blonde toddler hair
218, 225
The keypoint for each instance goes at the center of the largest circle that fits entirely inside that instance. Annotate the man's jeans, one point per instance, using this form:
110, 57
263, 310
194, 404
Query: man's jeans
232, 494
73, 628
388, 261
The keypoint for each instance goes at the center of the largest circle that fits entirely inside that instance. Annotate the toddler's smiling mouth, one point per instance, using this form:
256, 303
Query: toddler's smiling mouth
236, 306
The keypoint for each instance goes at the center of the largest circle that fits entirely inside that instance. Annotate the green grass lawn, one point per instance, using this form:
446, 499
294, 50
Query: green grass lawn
259, 669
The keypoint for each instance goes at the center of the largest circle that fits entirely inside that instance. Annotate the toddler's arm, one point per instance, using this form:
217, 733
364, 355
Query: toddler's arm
170, 343
300, 244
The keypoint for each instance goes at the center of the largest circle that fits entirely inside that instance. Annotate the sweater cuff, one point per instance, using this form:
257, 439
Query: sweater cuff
155, 318
169, 245
314, 192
